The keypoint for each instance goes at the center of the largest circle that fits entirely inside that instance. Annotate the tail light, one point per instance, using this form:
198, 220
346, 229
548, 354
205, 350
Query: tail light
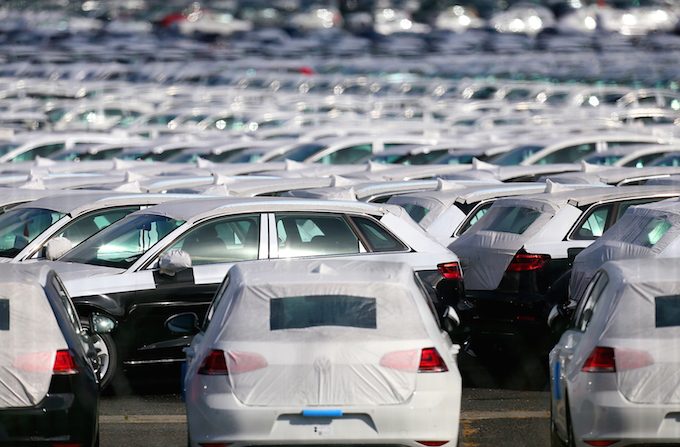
527, 262
601, 360
215, 364
432, 443
214, 444
66, 444
601, 442
64, 363
431, 361
402, 360
450, 270
627, 359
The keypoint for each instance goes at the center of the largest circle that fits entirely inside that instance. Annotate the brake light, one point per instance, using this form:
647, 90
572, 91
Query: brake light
601, 360
66, 444
450, 270
431, 361
64, 363
214, 444
627, 359
527, 262
601, 442
214, 364
432, 443
402, 360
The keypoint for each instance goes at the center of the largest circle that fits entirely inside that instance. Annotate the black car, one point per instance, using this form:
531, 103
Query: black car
49, 393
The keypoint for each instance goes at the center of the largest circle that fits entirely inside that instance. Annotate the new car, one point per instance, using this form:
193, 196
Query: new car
321, 351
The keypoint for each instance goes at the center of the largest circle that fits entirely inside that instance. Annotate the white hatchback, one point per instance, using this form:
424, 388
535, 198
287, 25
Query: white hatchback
321, 352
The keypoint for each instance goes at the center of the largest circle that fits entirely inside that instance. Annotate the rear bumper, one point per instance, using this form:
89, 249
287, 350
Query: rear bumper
607, 415
57, 418
215, 415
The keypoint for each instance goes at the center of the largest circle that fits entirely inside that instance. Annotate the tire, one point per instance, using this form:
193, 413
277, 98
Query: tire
107, 354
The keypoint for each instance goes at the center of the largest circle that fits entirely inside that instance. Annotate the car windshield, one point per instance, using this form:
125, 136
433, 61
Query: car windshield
18, 227
300, 153
516, 155
121, 244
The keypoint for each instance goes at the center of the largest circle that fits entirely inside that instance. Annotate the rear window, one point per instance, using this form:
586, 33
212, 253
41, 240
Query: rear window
510, 219
417, 212
4, 315
667, 311
299, 312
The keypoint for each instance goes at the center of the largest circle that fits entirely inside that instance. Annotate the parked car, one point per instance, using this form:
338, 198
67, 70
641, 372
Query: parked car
344, 352
613, 372
48, 384
121, 274
516, 256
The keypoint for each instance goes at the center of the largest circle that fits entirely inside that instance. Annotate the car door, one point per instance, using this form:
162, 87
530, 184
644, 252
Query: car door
564, 361
213, 245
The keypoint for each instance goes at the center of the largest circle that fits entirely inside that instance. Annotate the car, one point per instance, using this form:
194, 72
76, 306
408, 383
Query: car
516, 259
27, 229
613, 372
644, 231
330, 351
120, 274
49, 394
447, 212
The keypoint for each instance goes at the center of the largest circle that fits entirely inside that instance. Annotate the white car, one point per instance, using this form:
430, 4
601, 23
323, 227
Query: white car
321, 351
118, 272
614, 372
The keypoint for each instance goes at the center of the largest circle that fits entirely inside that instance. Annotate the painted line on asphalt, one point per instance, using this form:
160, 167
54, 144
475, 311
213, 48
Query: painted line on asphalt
182, 419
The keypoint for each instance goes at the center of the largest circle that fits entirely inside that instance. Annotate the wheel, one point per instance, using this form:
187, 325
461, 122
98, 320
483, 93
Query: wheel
107, 356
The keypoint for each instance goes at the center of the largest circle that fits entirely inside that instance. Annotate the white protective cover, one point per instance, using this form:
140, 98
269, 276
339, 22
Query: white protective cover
321, 365
173, 261
627, 239
631, 325
485, 254
28, 348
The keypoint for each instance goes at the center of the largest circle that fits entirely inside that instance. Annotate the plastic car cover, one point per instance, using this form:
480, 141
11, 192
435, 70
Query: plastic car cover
485, 253
642, 323
29, 339
644, 231
173, 261
354, 361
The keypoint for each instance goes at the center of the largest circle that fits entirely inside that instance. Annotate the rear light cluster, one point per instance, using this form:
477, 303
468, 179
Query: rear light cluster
451, 270
215, 363
64, 363
527, 262
430, 361
608, 360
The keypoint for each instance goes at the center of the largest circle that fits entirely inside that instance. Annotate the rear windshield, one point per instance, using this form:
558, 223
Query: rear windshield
298, 312
509, 219
667, 311
652, 233
417, 212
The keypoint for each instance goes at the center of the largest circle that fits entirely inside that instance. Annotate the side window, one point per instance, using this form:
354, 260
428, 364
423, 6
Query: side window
568, 154
594, 224
348, 155
222, 240
68, 305
40, 151
314, 235
474, 216
417, 212
85, 226
623, 206
586, 307
378, 238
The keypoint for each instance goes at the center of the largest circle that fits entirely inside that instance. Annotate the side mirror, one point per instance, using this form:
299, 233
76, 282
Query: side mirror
185, 323
173, 262
101, 324
57, 247
554, 313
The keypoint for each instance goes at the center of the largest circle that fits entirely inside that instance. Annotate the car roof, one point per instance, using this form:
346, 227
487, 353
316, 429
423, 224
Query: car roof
69, 203
200, 208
